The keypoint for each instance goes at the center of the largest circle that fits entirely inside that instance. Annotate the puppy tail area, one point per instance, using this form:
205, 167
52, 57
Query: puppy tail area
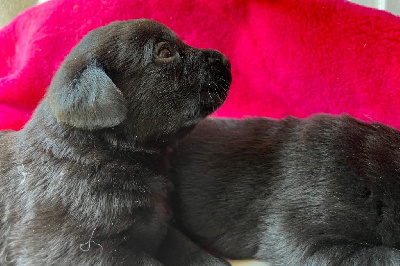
178, 250
354, 255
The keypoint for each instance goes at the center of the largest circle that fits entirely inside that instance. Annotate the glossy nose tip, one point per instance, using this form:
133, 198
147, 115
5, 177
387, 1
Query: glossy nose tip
215, 56
225, 61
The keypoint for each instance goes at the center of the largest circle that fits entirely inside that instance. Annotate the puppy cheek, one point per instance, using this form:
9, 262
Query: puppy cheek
167, 124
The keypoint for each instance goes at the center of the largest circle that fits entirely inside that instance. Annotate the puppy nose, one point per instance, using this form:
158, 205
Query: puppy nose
217, 57
226, 62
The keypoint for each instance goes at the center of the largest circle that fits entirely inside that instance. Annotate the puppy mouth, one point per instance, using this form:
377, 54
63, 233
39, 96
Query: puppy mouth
211, 101
214, 94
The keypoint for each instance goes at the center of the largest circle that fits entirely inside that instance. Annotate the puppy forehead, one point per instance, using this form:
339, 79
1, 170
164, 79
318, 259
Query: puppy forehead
153, 30
142, 35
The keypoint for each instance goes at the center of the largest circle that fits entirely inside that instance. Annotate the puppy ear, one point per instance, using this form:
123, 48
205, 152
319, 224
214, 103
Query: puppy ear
91, 101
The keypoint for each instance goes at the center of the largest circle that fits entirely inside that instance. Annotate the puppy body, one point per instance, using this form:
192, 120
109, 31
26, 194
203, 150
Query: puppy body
82, 183
90, 198
317, 191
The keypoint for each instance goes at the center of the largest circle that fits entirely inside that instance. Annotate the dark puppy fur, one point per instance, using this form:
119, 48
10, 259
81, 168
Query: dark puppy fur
317, 191
81, 183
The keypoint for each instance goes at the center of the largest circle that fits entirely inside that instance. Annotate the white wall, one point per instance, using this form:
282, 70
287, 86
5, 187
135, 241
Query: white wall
10, 8
392, 6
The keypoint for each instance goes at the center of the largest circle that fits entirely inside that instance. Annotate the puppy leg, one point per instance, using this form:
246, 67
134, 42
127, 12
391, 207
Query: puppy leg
355, 255
340, 254
176, 249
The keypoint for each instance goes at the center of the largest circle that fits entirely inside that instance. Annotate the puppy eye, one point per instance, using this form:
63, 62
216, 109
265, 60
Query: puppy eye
165, 53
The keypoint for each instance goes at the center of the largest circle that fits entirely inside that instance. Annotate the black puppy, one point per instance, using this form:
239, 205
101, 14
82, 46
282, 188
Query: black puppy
81, 183
317, 191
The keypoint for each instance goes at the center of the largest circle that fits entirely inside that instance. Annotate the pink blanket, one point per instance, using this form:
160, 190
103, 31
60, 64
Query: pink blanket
289, 57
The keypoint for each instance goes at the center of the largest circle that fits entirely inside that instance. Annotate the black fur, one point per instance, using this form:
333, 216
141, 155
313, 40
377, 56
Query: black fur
317, 191
82, 183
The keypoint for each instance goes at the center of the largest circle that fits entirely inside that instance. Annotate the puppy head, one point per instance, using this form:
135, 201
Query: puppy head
138, 76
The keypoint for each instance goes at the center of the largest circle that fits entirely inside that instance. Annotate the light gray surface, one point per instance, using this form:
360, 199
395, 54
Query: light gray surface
392, 6
11, 8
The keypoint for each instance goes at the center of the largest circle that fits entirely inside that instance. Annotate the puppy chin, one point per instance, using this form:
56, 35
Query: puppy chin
170, 133
208, 108
212, 97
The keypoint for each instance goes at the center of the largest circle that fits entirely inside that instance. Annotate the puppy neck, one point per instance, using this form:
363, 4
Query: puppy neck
53, 157
45, 133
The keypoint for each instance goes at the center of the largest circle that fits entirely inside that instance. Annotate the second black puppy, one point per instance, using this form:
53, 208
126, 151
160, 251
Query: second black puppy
81, 183
317, 191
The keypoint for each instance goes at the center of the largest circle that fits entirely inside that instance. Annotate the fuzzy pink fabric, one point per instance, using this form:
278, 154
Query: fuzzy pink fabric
289, 57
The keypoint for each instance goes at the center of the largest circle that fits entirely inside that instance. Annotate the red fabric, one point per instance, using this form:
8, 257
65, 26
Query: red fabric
294, 57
